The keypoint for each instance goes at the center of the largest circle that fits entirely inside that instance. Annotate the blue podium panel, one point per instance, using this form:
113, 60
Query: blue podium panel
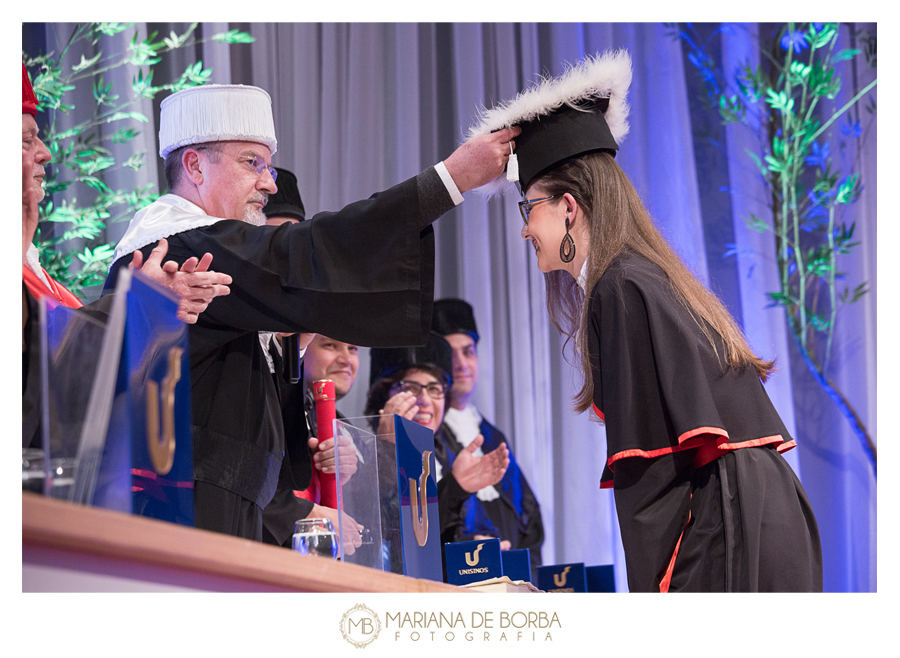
473, 561
563, 578
420, 525
600, 578
147, 465
517, 564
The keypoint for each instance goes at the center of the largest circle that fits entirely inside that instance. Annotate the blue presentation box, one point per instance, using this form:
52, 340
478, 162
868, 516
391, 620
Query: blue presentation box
601, 578
473, 561
517, 564
559, 578
147, 465
420, 524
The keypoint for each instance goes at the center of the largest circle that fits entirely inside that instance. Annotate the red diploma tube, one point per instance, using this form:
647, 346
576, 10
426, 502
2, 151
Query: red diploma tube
324, 398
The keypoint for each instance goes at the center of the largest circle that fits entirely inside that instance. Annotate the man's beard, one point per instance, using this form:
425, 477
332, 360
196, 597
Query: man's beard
254, 215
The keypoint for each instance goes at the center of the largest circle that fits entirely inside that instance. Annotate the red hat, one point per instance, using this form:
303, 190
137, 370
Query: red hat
29, 100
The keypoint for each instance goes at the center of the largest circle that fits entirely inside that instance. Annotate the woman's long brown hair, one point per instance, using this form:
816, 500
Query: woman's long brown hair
618, 221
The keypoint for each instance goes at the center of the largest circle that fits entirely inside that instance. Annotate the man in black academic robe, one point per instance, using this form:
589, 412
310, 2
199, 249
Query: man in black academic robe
509, 510
515, 514
363, 275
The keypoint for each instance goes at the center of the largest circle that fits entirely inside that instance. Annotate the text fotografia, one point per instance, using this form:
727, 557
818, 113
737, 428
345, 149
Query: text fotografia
480, 626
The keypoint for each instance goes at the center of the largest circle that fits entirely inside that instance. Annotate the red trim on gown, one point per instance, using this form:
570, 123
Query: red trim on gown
39, 289
667, 579
711, 441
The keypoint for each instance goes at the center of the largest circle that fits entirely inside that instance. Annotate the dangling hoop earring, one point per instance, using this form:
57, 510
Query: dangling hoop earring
567, 246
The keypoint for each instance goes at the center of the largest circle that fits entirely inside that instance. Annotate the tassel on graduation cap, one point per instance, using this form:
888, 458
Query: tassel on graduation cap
581, 111
512, 167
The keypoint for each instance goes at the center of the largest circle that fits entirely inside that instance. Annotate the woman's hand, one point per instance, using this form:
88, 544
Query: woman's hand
474, 473
402, 404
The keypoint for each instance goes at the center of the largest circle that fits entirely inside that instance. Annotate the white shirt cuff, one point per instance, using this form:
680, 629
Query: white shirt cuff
454, 192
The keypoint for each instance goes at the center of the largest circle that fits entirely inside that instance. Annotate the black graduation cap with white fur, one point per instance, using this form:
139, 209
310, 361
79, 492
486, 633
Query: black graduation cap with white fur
581, 111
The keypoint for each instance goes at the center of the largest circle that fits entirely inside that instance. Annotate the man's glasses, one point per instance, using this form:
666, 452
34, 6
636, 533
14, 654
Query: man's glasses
526, 206
435, 390
259, 165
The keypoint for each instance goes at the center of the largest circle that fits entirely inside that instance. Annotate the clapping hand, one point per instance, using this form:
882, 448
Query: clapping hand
402, 404
473, 472
195, 285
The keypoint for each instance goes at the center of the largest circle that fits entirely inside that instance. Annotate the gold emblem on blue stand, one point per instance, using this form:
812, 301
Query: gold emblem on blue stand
162, 450
419, 511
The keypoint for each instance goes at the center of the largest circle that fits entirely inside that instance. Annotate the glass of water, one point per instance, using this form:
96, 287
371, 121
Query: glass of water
315, 537
34, 477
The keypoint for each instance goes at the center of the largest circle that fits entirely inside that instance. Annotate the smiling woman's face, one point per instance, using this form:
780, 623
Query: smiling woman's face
546, 228
431, 411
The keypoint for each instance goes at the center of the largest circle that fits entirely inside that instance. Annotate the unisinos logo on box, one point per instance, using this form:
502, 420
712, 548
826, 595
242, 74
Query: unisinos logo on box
472, 561
562, 577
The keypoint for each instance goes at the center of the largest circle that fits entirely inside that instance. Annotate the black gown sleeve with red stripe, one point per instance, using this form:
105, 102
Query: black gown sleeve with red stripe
659, 384
670, 406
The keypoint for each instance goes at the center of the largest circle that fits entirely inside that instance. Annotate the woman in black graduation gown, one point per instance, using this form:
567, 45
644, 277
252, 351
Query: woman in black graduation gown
704, 499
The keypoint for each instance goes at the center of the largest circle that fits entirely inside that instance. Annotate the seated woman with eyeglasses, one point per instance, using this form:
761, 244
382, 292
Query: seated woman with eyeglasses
413, 382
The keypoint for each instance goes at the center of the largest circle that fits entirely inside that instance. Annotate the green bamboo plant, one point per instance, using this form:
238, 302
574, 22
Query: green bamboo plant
83, 148
783, 95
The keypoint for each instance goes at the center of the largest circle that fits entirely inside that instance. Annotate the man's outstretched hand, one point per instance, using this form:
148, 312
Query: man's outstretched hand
481, 159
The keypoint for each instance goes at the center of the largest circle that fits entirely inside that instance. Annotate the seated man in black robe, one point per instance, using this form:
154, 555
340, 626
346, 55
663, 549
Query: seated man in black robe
362, 275
323, 358
509, 510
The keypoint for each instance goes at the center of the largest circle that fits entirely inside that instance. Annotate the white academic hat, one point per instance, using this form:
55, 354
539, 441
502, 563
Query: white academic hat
216, 113
581, 111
